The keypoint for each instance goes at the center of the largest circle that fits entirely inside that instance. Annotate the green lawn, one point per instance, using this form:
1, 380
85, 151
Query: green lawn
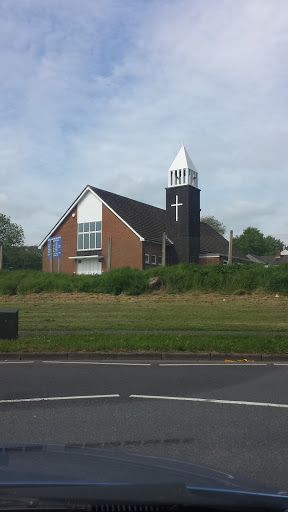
247, 343
154, 312
189, 311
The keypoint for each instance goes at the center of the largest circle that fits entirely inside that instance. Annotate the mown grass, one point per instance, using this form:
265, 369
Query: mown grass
247, 343
150, 312
180, 278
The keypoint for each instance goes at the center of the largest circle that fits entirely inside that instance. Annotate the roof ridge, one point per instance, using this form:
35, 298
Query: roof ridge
125, 197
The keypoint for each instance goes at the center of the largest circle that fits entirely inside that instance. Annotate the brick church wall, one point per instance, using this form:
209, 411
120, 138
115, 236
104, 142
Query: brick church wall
209, 261
151, 249
126, 246
68, 230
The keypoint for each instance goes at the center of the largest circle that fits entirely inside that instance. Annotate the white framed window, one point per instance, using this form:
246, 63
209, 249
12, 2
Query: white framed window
89, 235
153, 259
159, 260
146, 258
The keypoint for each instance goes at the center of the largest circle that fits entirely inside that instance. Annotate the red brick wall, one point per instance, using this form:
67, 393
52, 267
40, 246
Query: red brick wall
68, 230
126, 246
209, 261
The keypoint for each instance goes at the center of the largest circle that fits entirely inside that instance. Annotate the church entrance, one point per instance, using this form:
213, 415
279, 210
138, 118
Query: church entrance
89, 266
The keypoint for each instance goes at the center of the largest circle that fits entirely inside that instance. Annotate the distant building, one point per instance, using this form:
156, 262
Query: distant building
279, 258
102, 230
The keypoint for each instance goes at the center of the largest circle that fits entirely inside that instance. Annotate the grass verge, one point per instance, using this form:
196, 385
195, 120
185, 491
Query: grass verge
138, 342
256, 312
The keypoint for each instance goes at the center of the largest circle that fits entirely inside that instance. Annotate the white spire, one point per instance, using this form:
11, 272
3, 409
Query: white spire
182, 171
182, 160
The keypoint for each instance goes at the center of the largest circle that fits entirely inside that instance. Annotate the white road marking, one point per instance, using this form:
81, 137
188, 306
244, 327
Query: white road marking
210, 400
16, 362
56, 398
96, 362
213, 364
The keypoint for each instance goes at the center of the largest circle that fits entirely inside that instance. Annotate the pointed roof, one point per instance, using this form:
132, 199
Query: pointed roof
182, 160
212, 242
147, 221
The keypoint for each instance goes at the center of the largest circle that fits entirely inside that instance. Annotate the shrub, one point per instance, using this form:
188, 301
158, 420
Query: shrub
235, 279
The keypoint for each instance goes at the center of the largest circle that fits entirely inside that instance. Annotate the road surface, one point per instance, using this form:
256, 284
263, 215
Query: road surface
232, 416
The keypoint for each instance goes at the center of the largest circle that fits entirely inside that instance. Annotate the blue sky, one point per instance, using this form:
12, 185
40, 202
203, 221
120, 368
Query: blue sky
103, 92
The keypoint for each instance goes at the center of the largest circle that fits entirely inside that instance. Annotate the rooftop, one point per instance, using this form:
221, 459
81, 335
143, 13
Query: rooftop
182, 160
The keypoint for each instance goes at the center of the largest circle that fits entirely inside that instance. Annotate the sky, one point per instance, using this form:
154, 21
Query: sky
103, 93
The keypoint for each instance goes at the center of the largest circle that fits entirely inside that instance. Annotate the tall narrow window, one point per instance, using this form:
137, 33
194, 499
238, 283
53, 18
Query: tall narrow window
86, 241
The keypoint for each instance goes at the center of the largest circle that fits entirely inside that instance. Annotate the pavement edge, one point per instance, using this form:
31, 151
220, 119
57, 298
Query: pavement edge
156, 356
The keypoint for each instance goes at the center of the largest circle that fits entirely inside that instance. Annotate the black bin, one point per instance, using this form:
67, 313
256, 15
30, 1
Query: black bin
8, 324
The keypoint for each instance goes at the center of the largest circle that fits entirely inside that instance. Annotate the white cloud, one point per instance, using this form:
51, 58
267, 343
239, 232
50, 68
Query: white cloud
103, 93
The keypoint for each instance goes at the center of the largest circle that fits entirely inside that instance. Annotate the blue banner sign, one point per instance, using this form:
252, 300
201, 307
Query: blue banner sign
57, 246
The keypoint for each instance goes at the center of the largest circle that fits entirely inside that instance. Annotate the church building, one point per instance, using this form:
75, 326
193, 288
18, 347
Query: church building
101, 230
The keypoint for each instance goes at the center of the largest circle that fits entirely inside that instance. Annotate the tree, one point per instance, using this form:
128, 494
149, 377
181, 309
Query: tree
252, 241
22, 257
15, 254
272, 245
214, 223
11, 235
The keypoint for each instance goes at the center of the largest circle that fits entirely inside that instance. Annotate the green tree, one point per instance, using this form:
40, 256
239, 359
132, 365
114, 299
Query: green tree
11, 235
252, 241
272, 245
22, 257
15, 254
33, 248
214, 223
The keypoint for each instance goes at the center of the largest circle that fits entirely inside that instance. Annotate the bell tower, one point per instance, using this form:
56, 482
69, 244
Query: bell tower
183, 209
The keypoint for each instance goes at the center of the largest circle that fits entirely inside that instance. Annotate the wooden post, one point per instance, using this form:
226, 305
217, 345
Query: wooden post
51, 256
230, 247
109, 262
1, 257
164, 249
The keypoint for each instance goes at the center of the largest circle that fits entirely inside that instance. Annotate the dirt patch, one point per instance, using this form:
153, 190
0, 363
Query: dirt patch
154, 298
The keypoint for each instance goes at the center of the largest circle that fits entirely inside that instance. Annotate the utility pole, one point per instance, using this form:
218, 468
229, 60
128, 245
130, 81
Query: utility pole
1, 257
230, 247
109, 262
164, 249
51, 257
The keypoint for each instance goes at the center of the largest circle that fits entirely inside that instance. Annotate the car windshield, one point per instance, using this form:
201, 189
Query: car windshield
144, 244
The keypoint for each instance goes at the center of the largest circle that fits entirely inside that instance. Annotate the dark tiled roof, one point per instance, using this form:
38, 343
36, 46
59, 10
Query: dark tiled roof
261, 259
212, 242
254, 259
272, 260
150, 223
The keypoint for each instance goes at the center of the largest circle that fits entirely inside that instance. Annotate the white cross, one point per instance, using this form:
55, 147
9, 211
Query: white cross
176, 208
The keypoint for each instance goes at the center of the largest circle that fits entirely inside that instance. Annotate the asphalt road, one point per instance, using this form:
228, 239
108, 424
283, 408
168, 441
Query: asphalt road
233, 417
